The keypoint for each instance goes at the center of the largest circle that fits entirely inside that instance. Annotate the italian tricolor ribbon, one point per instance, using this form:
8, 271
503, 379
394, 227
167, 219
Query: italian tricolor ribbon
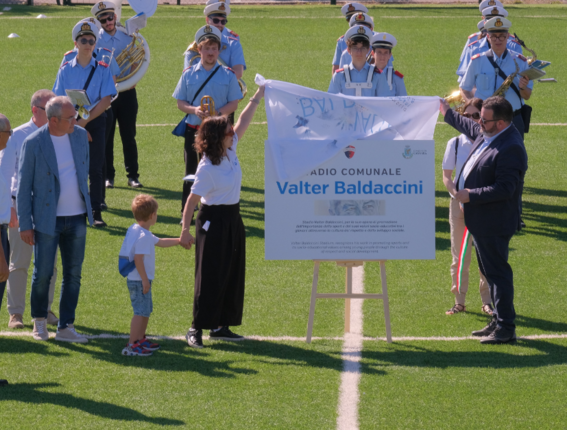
464, 249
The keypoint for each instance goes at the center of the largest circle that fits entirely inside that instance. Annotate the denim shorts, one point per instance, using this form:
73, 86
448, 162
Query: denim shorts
142, 303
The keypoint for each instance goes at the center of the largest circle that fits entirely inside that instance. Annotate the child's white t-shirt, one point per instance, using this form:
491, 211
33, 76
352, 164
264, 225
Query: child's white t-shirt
138, 240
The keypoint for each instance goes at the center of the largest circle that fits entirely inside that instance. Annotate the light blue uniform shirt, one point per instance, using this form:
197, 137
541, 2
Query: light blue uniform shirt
230, 50
119, 42
98, 55
472, 38
338, 81
398, 85
480, 46
482, 75
346, 58
339, 49
222, 87
72, 76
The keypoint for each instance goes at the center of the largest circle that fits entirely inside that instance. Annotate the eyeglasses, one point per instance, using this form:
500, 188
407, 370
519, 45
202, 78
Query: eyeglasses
219, 21
354, 49
85, 41
501, 37
484, 121
108, 18
68, 119
475, 115
11, 132
39, 107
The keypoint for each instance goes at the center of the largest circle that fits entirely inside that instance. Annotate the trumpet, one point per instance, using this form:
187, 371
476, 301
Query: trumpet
208, 105
456, 101
196, 58
83, 112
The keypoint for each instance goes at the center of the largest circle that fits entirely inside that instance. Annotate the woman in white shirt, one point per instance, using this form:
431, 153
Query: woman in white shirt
220, 239
456, 153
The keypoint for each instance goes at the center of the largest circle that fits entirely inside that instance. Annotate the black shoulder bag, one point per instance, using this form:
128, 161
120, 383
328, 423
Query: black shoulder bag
525, 110
180, 128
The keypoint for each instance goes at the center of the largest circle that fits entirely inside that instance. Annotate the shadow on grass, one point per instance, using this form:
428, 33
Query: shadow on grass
35, 393
21, 345
176, 356
493, 357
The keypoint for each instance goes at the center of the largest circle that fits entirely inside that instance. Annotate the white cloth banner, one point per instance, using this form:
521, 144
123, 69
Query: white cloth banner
307, 128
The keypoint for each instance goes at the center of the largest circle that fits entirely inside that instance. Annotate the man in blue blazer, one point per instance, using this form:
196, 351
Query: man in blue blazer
489, 187
53, 202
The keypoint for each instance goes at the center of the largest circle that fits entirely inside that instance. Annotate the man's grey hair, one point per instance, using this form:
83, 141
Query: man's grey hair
54, 107
41, 95
4, 123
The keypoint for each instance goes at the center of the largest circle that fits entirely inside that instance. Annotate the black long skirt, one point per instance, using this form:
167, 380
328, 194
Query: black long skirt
220, 266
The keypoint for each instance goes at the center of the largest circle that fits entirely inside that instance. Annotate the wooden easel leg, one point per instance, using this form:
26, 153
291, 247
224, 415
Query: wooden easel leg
313, 299
386, 301
348, 289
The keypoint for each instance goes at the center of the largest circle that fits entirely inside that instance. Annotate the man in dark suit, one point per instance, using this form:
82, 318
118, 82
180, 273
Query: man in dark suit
489, 186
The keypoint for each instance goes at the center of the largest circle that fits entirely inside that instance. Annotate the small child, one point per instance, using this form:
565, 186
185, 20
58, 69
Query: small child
139, 246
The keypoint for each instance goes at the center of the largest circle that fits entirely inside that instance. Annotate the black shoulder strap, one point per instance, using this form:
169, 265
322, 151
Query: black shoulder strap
205, 83
490, 57
457, 142
90, 76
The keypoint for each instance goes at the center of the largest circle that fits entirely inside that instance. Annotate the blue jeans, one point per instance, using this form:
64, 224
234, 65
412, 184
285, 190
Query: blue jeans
70, 235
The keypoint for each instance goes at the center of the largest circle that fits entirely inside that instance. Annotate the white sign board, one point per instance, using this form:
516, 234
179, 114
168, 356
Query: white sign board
375, 200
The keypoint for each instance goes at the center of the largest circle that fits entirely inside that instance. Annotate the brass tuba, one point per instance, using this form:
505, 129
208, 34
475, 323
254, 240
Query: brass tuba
507, 82
133, 62
456, 101
196, 58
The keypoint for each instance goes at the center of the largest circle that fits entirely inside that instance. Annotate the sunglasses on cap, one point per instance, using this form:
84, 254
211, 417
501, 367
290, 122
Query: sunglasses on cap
219, 21
475, 115
85, 41
109, 17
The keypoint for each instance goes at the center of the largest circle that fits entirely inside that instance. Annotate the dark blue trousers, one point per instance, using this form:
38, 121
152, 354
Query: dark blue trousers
492, 254
97, 129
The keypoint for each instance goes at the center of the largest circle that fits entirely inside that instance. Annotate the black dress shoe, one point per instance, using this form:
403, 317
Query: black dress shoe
499, 336
109, 183
134, 183
486, 331
98, 222
103, 206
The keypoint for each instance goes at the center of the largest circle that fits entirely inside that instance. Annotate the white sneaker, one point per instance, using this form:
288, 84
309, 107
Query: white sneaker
40, 329
51, 318
70, 335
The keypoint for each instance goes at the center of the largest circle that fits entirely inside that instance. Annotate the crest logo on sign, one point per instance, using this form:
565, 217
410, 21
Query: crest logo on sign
349, 151
408, 153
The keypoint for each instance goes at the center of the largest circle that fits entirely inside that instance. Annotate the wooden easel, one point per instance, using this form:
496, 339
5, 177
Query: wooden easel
348, 264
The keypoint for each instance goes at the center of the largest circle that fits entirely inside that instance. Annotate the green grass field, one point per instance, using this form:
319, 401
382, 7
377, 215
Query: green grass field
289, 384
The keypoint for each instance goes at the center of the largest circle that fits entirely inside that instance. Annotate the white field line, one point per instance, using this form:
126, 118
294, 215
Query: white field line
347, 417
17, 333
293, 17
548, 124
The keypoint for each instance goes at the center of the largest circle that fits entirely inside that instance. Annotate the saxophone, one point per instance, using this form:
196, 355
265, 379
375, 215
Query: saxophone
507, 82
523, 45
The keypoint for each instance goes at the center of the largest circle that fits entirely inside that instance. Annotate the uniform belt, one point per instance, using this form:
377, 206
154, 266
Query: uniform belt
194, 127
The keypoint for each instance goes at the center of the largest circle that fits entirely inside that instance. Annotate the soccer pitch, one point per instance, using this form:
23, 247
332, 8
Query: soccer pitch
275, 380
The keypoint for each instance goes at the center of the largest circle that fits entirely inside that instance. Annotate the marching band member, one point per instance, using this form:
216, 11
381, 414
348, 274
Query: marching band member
85, 73
348, 10
216, 13
482, 45
125, 107
488, 70
358, 78
360, 18
204, 78
390, 82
